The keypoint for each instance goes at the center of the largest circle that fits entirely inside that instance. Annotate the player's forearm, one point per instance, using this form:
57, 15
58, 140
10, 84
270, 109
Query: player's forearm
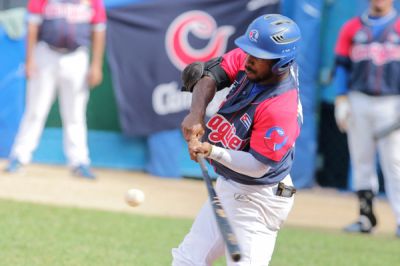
98, 44
202, 95
32, 38
239, 161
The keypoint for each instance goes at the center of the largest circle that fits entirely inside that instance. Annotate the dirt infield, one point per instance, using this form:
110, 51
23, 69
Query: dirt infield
317, 207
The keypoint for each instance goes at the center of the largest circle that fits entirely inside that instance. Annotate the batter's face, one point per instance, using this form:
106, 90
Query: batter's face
259, 70
381, 7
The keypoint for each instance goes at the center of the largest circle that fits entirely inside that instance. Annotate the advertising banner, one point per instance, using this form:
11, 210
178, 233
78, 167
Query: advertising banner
149, 43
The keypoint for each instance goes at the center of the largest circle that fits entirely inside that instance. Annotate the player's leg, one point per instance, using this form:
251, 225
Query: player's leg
74, 95
40, 95
363, 160
203, 244
256, 214
389, 154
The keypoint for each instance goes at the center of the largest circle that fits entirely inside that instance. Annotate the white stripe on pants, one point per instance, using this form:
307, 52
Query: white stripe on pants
63, 74
255, 213
369, 114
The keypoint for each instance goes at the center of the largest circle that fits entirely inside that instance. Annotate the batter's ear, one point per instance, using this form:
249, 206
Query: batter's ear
191, 74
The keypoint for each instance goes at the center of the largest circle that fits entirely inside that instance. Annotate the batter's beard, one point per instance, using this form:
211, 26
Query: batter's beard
261, 79
377, 10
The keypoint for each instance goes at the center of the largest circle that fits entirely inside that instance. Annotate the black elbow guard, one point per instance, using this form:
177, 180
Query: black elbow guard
212, 68
191, 74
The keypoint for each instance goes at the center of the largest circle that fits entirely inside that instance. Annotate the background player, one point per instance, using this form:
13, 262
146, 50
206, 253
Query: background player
368, 82
60, 33
250, 141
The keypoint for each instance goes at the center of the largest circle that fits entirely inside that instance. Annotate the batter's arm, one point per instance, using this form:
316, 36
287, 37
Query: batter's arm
239, 161
193, 124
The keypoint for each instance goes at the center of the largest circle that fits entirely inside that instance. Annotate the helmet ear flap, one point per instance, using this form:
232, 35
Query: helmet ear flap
282, 65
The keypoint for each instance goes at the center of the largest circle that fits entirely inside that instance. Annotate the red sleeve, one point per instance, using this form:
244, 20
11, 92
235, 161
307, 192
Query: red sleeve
232, 62
99, 12
36, 6
276, 127
346, 34
397, 26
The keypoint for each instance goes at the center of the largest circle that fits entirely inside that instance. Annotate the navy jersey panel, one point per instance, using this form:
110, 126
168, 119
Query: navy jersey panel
371, 54
67, 23
262, 120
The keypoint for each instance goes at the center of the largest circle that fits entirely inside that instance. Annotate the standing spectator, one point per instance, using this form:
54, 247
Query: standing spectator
60, 33
250, 141
368, 100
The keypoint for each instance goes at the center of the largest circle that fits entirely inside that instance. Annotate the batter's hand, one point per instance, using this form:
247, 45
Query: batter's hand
342, 112
95, 75
197, 147
193, 127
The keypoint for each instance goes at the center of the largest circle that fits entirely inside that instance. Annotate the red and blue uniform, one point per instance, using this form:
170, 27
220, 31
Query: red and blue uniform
67, 24
262, 120
368, 50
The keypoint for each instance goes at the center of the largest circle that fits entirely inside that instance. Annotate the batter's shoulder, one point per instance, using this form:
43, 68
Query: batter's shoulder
351, 24
397, 24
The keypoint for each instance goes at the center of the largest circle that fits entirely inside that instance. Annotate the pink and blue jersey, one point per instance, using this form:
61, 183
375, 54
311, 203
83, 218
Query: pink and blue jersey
262, 120
368, 55
67, 24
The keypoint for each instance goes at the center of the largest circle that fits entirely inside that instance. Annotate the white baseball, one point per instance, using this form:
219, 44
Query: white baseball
134, 197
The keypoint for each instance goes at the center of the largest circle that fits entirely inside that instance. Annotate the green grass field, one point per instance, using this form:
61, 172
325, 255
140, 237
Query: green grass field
39, 235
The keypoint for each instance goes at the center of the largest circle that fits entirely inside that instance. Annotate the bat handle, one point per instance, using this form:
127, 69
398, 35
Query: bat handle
233, 249
200, 159
236, 256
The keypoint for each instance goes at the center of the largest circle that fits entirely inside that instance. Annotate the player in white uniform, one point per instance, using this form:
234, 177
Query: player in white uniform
60, 33
368, 82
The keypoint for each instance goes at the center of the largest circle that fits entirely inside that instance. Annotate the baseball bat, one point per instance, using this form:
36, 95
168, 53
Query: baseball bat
387, 130
222, 220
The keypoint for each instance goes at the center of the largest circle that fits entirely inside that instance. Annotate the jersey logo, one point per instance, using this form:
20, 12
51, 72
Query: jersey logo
378, 53
224, 132
275, 138
73, 13
246, 121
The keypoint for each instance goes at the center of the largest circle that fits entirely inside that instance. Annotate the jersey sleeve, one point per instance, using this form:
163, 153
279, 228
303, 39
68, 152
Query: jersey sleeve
232, 62
276, 127
99, 16
35, 6
35, 11
345, 37
397, 25
345, 41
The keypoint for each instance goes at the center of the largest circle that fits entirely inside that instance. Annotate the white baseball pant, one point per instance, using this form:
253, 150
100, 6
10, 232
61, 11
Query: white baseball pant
369, 114
255, 213
65, 75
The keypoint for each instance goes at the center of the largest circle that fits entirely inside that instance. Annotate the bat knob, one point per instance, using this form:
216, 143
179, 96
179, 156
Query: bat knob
235, 257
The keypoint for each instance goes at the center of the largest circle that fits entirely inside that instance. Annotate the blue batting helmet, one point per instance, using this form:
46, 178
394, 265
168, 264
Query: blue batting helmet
272, 36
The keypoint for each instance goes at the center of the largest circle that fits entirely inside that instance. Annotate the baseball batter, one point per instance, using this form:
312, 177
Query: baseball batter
60, 33
249, 141
368, 82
